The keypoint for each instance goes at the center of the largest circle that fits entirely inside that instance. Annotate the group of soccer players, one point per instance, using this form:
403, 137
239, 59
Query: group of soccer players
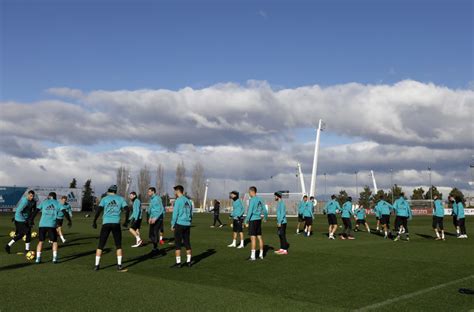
112, 206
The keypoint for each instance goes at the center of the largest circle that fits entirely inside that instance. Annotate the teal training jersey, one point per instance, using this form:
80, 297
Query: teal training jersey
281, 213
182, 212
237, 209
137, 210
49, 212
332, 206
62, 209
402, 207
438, 210
22, 213
256, 209
308, 210
156, 209
460, 211
346, 210
113, 205
360, 213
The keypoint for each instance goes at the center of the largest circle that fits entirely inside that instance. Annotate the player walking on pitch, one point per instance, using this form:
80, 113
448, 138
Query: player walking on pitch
156, 213
181, 225
301, 206
330, 209
384, 209
253, 221
461, 221
49, 209
281, 225
237, 216
23, 212
308, 217
346, 214
454, 212
112, 206
59, 222
438, 216
136, 219
216, 209
403, 210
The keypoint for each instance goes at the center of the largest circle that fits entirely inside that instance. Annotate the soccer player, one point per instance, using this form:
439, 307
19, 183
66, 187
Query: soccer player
156, 213
378, 215
308, 217
112, 205
359, 216
253, 221
59, 222
454, 212
330, 209
461, 221
181, 225
49, 209
346, 214
216, 210
237, 216
300, 212
136, 219
438, 215
403, 211
384, 209
281, 225
23, 212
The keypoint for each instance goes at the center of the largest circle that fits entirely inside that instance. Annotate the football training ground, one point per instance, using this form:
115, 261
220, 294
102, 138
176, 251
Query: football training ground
369, 273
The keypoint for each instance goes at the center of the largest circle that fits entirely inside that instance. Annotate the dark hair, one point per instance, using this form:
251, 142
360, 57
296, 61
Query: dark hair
179, 188
151, 188
305, 196
31, 192
458, 199
64, 197
253, 189
333, 196
312, 197
133, 193
402, 194
53, 195
349, 198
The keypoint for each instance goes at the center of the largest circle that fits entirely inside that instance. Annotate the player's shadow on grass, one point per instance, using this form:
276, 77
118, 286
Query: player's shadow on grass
81, 255
64, 246
246, 241
15, 266
266, 249
203, 255
425, 236
80, 239
450, 234
149, 256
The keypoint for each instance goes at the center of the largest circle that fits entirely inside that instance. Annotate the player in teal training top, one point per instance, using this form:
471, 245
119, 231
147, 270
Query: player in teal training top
23, 211
181, 221
253, 221
156, 215
346, 214
461, 217
237, 216
438, 217
403, 211
112, 206
359, 216
59, 222
384, 209
49, 209
281, 224
301, 207
308, 217
330, 209
135, 218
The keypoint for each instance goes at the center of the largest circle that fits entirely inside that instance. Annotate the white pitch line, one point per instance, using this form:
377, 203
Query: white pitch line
410, 295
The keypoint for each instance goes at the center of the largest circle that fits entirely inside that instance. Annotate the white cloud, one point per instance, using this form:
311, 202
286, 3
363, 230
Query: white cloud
66, 92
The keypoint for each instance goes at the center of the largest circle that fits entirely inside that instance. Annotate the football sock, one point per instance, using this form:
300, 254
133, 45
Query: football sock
261, 253
242, 242
161, 237
437, 233
188, 258
27, 246
234, 241
119, 260
178, 260
442, 234
252, 254
11, 242
138, 238
97, 260
38, 255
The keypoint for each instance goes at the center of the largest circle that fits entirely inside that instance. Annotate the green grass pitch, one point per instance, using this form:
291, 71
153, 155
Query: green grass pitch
317, 275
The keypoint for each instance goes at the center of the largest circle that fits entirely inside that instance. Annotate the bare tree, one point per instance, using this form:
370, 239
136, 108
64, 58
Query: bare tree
122, 181
143, 181
160, 180
198, 184
181, 175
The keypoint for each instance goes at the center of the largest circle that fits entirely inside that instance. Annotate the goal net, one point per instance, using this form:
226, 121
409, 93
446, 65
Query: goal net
291, 201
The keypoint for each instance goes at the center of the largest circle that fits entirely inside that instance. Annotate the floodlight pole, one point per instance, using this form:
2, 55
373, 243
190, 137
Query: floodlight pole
357, 185
300, 173
205, 196
391, 181
431, 189
375, 183
312, 190
325, 184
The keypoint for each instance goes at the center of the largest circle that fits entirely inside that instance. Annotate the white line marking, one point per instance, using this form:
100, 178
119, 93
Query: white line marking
411, 295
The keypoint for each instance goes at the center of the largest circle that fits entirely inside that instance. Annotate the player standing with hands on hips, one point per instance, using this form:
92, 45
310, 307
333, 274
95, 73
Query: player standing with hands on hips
181, 225
281, 224
237, 216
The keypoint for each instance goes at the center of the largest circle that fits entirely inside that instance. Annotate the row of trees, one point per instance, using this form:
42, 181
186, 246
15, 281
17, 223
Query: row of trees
368, 199
144, 177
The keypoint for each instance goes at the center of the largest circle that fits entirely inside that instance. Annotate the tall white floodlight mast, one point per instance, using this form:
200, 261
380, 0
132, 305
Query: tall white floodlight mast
312, 190
373, 181
203, 208
300, 173
129, 183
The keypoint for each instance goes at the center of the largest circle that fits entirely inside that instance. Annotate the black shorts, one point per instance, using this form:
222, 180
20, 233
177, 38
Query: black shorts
308, 221
50, 231
385, 220
136, 224
300, 218
22, 229
105, 232
332, 220
255, 228
182, 236
438, 223
377, 218
59, 222
237, 225
455, 220
360, 221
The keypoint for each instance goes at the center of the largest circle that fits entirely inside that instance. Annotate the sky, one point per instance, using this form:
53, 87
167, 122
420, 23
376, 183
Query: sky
88, 86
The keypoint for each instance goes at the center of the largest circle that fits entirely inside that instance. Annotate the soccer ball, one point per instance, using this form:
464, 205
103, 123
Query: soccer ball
12, 234
34, 234
30, 255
